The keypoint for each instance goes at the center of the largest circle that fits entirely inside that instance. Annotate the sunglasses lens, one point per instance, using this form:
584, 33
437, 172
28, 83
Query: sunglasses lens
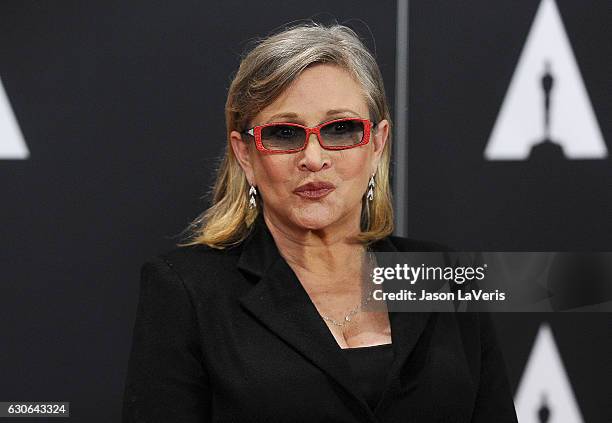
342, 133
282, 137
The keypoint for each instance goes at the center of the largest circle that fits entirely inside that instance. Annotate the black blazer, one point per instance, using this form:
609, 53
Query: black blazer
232, 336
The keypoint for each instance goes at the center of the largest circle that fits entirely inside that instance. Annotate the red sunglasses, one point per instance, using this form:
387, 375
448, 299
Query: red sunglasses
285, 137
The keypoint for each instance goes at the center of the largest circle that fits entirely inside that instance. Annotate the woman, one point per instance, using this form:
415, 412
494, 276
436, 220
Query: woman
258, 318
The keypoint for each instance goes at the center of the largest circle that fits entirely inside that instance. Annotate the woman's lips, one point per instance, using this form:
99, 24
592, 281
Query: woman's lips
314, 194
314, 190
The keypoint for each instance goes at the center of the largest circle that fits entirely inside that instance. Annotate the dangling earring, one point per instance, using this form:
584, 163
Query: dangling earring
252, 194
371, 185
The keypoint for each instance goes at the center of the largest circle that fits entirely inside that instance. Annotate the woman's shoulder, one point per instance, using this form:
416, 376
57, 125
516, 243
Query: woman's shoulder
199, 254
411, 244
194, 263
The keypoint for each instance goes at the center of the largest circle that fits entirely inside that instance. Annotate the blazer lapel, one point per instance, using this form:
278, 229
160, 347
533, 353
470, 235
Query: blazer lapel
279, 301
406, 330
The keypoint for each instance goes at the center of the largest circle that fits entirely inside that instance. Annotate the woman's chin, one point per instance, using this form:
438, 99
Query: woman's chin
314, 218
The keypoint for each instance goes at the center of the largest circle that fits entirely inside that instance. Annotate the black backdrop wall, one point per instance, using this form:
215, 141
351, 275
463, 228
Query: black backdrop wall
121, 108
463, 56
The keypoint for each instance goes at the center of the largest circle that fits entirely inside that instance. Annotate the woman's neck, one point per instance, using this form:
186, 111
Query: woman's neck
326, 252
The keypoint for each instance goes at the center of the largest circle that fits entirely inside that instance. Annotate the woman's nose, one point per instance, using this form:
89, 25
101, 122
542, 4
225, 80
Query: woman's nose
314, 157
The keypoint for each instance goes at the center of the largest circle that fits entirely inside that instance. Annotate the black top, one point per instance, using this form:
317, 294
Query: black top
232, 336
370, 367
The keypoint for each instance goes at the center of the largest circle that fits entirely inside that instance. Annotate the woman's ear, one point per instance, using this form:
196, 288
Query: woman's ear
242, 152
379, 137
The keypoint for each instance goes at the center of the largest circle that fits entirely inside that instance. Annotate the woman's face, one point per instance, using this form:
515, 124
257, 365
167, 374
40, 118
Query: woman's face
321, 93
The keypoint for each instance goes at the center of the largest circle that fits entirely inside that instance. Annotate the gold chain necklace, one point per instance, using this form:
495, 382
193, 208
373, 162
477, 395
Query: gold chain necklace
348, 318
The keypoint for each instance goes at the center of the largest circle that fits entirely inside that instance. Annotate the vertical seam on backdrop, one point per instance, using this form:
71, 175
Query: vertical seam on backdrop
400, 143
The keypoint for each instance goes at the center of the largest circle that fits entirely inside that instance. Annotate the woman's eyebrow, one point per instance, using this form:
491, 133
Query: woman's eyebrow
341, 112
285, 115
295, 117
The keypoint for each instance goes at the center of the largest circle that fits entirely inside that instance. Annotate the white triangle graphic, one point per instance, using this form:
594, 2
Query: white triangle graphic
521, 120
12, 144
545, 387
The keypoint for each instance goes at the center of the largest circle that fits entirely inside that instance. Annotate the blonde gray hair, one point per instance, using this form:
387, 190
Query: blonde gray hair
264, 73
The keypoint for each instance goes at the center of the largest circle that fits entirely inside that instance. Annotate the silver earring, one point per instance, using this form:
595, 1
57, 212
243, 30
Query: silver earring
371, 186
252, 194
